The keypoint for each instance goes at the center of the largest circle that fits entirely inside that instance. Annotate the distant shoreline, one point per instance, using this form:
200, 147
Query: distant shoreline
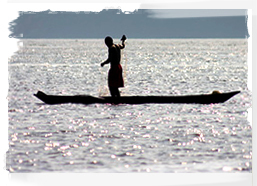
139, 24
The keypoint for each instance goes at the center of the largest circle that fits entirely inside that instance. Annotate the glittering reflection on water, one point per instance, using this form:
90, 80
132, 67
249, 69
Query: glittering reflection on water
129, 138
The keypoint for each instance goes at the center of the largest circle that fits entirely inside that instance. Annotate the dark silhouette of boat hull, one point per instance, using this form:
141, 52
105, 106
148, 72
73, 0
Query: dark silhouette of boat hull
85, 99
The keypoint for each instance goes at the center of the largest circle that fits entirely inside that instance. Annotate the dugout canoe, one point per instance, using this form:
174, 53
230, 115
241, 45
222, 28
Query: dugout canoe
86, 99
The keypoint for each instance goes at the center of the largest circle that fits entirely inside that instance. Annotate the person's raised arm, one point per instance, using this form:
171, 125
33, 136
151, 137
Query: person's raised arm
123, 42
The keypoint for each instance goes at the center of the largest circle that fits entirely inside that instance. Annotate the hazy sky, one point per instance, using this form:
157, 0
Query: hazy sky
131, 5
182, 13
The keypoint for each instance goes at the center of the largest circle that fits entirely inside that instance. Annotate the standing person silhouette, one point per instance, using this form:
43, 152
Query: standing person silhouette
115, 78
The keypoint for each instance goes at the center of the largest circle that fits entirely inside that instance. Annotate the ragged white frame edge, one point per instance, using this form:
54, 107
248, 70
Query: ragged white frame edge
9, 46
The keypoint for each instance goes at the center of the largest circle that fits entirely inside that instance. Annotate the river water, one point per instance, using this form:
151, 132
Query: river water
163, 138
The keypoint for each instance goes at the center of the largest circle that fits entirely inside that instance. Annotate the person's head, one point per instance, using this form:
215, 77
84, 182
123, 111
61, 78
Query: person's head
108, 41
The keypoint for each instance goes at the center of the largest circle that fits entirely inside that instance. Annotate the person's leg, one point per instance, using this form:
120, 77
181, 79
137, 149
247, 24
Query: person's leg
114, 91
117, 92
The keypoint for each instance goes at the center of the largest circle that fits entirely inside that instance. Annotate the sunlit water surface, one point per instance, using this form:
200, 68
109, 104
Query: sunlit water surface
129, 138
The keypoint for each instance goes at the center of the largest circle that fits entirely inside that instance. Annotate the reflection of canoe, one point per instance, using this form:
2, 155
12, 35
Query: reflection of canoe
85, 99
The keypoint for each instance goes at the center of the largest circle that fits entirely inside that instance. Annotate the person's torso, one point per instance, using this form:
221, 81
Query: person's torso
115, 55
